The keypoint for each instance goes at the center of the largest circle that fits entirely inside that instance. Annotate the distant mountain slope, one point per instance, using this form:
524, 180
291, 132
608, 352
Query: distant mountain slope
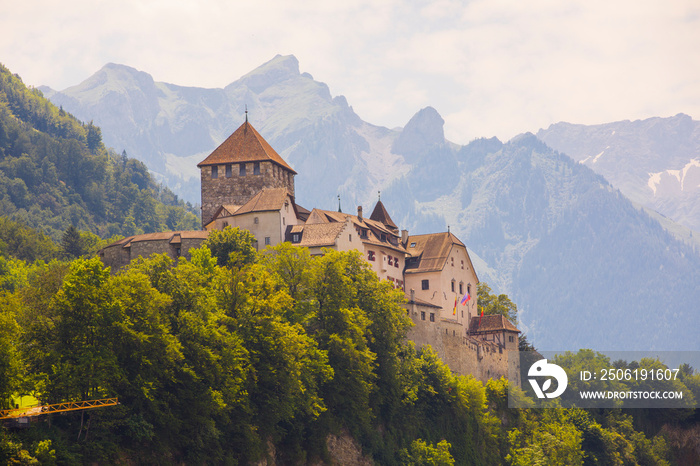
655, 162
55, 172
585, 266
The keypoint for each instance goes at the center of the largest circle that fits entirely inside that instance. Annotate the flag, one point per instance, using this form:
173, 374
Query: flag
466, 298
482, 315
454, 311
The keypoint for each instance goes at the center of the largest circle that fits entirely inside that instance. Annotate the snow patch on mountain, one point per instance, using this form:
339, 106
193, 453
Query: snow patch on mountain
686, 179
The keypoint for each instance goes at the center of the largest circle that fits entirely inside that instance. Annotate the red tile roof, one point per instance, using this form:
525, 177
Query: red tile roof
268, 199
431, 251
171, 236
244, 145
491, 323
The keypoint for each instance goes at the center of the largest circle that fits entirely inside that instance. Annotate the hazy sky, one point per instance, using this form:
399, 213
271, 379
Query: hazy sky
490, 67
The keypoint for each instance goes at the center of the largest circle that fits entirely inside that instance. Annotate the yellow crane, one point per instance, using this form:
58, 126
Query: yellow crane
18, 413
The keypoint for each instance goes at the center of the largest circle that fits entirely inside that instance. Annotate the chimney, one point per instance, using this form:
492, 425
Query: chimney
359, 212
404, 236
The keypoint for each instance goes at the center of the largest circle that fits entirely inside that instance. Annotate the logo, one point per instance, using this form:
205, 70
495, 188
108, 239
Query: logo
544, 369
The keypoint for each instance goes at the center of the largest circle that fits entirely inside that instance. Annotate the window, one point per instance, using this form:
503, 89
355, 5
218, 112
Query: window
349, 237
370, 256
296, 237
256, 168
452, 260
228, 171
390, 261
425, 285
256, 220
469, 290
422, 315
267, 241
462, 265
225, 224
413, 245
511, 339
396, 263
241, 170
284, 221
214, 172
453, 286
432, 317
177, 251
461, 288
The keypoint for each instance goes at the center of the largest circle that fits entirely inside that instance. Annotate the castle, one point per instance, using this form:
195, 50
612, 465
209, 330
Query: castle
246, 184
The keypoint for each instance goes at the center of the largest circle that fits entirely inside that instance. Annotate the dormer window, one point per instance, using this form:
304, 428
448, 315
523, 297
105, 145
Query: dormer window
413, 245
214, 172
296, 237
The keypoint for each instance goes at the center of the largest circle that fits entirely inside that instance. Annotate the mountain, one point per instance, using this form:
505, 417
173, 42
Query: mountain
55, 173
655, 162
587, 267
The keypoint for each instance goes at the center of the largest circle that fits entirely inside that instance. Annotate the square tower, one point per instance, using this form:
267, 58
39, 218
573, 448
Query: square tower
240, 167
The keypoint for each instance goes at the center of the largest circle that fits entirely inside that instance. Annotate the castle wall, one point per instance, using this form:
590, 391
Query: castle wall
116, 255
462, 353
237, 189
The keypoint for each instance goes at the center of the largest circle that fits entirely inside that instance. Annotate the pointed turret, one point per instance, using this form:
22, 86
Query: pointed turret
380, 214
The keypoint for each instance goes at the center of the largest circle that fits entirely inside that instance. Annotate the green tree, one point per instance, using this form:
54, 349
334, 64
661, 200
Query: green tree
491, 304
72, 243
10, 361
232, 246
424, 454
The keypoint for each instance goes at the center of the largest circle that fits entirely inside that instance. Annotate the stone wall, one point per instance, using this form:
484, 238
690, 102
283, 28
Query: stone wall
237, 189
175, 244
462, 353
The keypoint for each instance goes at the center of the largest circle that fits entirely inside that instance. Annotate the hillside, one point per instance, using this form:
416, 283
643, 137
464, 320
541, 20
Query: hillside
55, 172
539, 226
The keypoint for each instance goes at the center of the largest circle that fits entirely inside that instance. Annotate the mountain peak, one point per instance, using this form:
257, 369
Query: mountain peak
279, 69
113, 76
423, 130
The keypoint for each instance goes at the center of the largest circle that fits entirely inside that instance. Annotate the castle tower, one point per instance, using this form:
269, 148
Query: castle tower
239, 168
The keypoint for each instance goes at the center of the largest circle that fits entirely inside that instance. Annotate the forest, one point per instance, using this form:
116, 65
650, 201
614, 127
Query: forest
55, 173
235, 356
